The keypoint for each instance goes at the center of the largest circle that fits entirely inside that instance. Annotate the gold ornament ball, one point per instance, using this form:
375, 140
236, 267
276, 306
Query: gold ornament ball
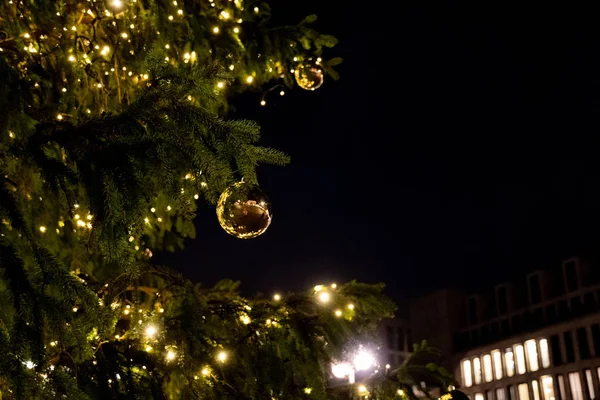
309, 76
244, 211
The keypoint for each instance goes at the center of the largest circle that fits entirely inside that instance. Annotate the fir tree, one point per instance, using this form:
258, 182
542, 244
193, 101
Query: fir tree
113, 126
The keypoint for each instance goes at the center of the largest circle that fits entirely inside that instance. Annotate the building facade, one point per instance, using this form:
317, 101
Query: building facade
538, 340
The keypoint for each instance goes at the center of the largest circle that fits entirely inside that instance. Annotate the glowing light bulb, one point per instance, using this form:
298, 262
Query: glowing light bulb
249, 79
307, 390
216, 29
153, 209
318, 288
282, 93
236, 30
334, 285
362, 389
150, 331
400, 392
245, 319
388, 366
146, 220
43, 229
72, 58
117, 4
180, 12
196, 196
231, 67
29, 364
124, 35
263, 103
105, 50
338, 313
205, 371
168, 208
225, 14
351, 306
221, 85
59, 117
256, 10
363, 360
276, 297
170, 18
324, 297
222, 356
341, 370
171, 355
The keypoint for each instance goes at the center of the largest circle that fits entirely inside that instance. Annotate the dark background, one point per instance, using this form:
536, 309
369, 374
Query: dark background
458, 149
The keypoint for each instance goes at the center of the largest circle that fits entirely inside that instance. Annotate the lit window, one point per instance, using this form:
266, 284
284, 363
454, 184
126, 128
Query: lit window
479, 396
509, 362
545, 353
523, 389
487, 368
520, 353
561, 387
467, 374
500, 394
532, 355
575, 385
535, 388
548, 388
590, 383
477, 370
497, 357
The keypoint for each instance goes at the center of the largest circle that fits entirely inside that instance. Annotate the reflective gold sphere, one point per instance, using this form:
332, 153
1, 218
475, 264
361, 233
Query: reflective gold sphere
309, 76
244, 211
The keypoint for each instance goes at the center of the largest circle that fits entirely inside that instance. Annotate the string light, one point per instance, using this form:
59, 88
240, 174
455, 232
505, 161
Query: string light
334, 285
263, 103
400, 392
249, 79
196, 196
72, 58
307, 390
338, 313
117, 4
216, 29
225, 15
236, 30
387, 366
180, 12
221, 85
43, 229
150, 331
168, 208
282, 93
256, 10
362, 389
318, 288
276, 297
222, 356
245, 319
324, 297
205, 371
231, 67
29, 364
171, 355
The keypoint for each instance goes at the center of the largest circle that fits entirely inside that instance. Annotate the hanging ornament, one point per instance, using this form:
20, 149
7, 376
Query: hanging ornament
244, 211
309, 76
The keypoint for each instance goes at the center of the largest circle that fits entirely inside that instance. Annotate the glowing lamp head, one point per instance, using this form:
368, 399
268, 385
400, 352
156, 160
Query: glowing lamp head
363, 360
341, 370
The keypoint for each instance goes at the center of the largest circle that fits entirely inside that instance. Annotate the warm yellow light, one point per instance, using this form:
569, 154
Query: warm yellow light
146, 220
89, 216
245, 319
152, 209
186, 56
256, 10
105, 50
307, 390
59, 117
43, 229
334, 285
216, 29
81, 223
338, 313
171, 355
222, 356
231, 67
362, 389
196, 196
53, 344
117, 3
26, 36
263, 103
388, 366
324, 297
249, 79
170, 18
351, 306
221, 85
282, 93
72, 58
400, 392
205, 371
131, 238
126, 311
148, 349
11, 134
318, 288
180, 12
150, 331
168, 208
131, 26
276, 297
124, 35
236, 30
73, 28
225, 14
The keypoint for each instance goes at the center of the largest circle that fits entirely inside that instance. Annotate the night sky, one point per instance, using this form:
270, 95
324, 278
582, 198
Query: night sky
458, 149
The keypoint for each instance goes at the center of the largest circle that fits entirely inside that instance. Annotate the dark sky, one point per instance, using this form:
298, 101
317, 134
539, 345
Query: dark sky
458, 149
